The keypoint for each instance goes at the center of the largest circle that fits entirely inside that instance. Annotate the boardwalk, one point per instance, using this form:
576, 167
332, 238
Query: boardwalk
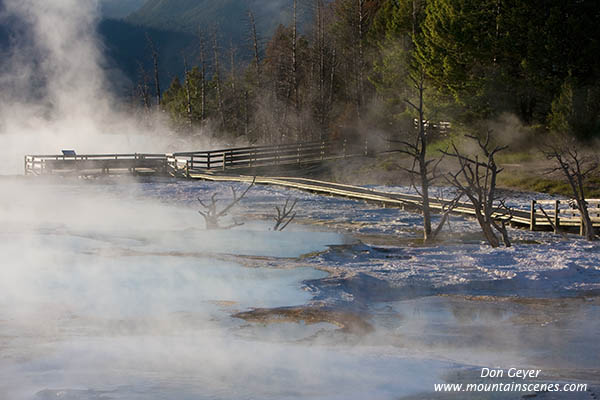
230, 165
562, 215
95, 164
296, 155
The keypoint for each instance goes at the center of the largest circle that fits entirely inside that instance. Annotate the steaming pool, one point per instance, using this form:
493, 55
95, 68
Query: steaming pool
113, 290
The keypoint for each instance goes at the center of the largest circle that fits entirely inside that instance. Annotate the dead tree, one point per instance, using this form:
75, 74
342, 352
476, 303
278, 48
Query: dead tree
576, 168
156, 74
217, 75
285, 215
255, 48
232, 72
294, 65
202, 78
447, 208
188, 94
143, 89
320, 63
476, 179
360, 60
423, 171
212, 215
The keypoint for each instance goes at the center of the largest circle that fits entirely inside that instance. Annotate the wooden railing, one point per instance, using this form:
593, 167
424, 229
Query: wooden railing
51, 164
256, 156
561, 213
182, 164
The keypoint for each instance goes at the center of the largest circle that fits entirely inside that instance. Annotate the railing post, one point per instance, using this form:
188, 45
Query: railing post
532, 216
366, 146
556, 216
208, 160
299, 149
187, 169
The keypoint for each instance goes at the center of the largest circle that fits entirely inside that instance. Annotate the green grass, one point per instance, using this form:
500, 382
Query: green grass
548, 185
514, 158
389, 164
528, 176
435, 147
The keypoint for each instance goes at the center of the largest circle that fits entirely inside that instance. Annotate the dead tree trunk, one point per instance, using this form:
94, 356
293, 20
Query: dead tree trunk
332, 76
476, 179
255, 48
576, 168
143, 88
188, 94
423, 171
360, 28
218, 82
285, 215
232, 75
294, 72
295, 56
325, 70
320, 41
202, 81
156, 72
246, 115
212, 215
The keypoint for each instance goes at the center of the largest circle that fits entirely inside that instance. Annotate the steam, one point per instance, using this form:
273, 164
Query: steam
93, 296
54, 90
94, 299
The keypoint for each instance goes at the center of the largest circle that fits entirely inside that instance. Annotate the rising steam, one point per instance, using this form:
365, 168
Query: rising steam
54, 92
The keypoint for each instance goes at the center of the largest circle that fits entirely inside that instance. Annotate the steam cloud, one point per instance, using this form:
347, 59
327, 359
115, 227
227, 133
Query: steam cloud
54, 93
79, 318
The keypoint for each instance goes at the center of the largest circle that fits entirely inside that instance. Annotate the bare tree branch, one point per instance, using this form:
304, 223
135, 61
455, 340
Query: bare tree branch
212, 215
576, 168
284, 215
477, 180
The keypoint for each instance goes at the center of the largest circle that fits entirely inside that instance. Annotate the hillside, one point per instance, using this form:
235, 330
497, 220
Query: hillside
228, 16
119, 8
126, 47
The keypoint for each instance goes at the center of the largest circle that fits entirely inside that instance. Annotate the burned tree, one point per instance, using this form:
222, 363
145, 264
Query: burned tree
255, 48
322, 69
576, 167
142, 89
285, 215
212, 215
423, 171
476, 179
217, 80
203, 88
294, 57
155, 61
360, 59
188, 94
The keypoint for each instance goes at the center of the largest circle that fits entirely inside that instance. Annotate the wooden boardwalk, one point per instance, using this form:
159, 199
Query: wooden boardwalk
89, 164
563, 215
296, 155
228, 165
